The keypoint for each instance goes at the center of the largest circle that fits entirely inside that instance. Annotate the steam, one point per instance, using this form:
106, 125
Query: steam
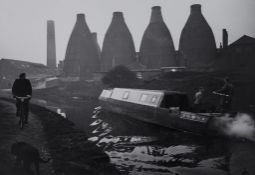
242, 126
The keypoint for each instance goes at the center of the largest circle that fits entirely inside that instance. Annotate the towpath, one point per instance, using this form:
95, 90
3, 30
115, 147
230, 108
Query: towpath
10, 133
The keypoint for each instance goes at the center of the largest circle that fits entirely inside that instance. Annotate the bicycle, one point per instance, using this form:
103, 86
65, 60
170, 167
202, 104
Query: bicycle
21, 111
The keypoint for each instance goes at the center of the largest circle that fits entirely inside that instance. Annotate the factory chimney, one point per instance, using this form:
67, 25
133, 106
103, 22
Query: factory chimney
197, 43
81, 56
157, 48
51, 45
156, 15
195, 9
224, 38
118, 46
96, 45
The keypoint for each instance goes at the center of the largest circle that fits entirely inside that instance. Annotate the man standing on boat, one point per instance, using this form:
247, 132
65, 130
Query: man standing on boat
226, 93
198, 100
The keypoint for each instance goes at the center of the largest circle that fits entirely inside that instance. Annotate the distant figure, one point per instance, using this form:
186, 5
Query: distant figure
226, 93
22, 88
198, 100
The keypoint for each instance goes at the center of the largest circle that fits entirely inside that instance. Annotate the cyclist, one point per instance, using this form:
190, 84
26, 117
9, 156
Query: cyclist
22, 88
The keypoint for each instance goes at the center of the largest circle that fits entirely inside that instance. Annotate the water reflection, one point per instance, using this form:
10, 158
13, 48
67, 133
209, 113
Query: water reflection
136, 147
61, 112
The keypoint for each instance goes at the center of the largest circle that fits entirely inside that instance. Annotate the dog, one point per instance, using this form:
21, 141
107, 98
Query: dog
26, 154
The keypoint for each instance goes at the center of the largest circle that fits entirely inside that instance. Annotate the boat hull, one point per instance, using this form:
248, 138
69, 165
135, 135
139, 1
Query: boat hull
159, 116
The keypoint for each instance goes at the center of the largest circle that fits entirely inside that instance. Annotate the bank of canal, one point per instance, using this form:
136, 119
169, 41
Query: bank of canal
137, 147
71, 151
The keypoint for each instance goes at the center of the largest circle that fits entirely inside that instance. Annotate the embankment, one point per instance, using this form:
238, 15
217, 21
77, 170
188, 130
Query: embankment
70, 150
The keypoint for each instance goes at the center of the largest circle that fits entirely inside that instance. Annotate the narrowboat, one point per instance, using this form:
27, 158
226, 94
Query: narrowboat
166, 108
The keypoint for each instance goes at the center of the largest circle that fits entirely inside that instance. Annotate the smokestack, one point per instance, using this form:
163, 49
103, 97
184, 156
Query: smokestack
51, 45
82, 57
117, 17
225, 38
156, 15
195, 8
157, 47
118, 45
94, 38
197, 43
80, 17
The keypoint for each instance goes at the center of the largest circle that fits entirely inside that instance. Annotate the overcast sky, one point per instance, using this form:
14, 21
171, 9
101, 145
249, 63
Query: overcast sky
23, 22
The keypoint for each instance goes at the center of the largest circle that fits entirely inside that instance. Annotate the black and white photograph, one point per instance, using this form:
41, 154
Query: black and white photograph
127, 87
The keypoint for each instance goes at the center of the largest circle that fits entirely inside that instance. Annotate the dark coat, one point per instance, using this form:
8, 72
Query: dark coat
21, 87
227, 89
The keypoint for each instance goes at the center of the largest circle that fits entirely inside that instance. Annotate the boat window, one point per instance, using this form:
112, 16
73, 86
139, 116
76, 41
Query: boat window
125, 95
143, 97
154, 99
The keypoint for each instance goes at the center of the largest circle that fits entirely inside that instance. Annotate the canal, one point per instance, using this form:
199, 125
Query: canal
136, 147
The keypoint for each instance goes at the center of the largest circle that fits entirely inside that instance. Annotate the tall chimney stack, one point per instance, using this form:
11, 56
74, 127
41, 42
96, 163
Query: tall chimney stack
197, 43
96, 45
157, 47
117, 17
82, 58
94, 37
195, 8
118, 46
156, 15
225, 38
51, 45
80, 17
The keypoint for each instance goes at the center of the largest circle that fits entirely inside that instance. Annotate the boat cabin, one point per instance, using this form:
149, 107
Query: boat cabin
153, 98
166, 108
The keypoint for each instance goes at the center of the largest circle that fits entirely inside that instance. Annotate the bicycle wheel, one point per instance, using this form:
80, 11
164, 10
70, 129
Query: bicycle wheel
21, 121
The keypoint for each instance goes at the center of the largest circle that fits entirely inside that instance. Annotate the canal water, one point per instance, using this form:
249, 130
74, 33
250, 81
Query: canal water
136, 147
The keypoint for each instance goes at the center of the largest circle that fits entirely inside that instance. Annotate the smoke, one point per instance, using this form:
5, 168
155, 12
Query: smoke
242, 126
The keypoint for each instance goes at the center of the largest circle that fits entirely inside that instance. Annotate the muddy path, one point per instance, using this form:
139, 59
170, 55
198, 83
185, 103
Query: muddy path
10, 133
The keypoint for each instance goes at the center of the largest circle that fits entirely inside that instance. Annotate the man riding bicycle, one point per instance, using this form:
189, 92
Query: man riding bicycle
226, 93
22, 88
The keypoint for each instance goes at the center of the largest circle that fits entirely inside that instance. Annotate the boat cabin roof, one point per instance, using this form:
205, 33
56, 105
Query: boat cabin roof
154, 98
161, 92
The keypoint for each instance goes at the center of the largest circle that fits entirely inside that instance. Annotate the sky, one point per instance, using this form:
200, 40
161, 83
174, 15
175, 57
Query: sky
23, 22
